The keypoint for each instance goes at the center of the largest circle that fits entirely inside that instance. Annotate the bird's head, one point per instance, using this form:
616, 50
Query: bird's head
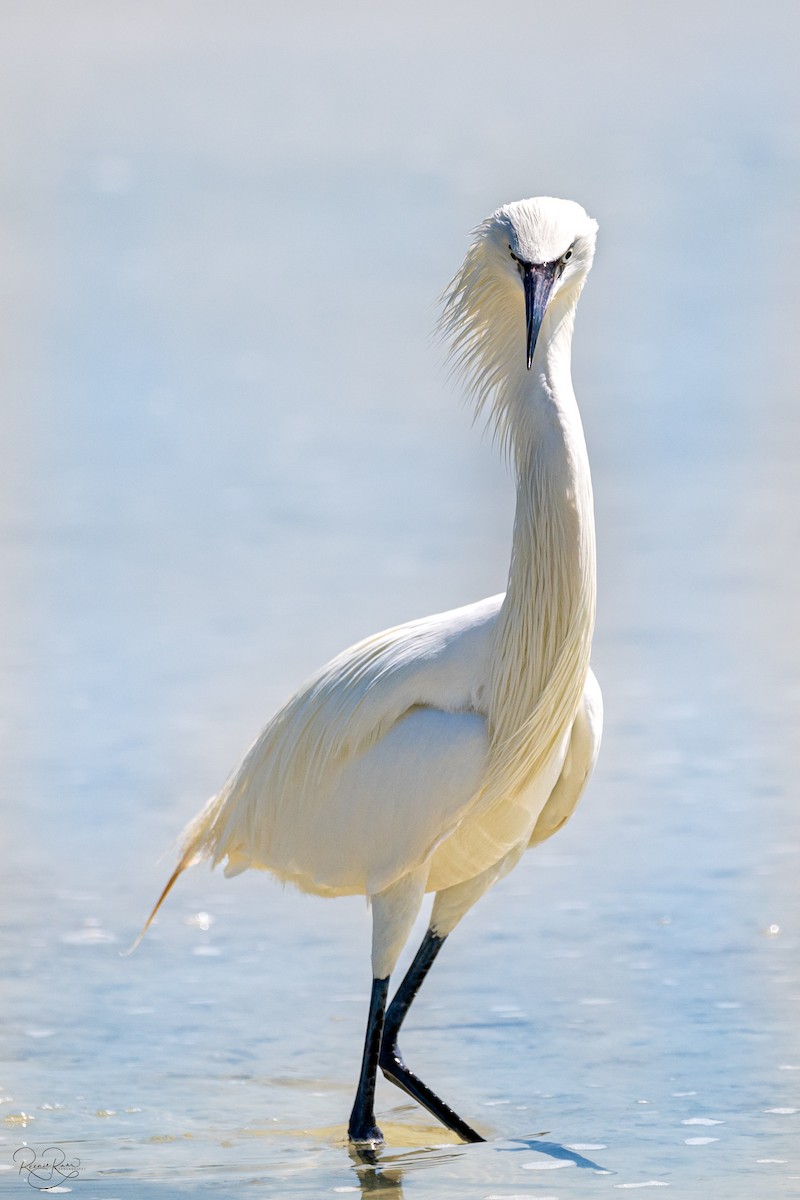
527, 257
547, 246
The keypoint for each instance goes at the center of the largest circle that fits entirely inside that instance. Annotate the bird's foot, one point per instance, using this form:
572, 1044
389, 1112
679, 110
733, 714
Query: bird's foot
365, 1135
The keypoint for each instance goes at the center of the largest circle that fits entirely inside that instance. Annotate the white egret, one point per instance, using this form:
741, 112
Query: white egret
429, 757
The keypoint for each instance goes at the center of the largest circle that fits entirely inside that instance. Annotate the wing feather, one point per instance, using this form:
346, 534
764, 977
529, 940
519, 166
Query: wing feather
287, 793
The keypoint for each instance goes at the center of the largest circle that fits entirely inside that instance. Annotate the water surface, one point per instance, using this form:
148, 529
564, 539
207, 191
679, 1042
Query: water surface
229, 450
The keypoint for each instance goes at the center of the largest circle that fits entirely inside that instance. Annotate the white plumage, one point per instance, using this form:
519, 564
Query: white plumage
430, 756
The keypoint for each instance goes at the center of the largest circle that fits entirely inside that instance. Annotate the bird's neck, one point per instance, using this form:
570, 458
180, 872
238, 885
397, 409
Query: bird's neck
547, 619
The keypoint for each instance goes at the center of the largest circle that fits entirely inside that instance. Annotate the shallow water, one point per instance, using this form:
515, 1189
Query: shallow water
228, 450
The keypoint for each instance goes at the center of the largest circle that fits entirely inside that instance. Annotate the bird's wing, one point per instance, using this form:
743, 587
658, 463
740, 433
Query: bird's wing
440, 661
584, 744
347, 732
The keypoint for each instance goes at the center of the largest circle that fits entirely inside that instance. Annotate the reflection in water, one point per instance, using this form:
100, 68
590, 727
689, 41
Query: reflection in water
374, 1178
381, 1171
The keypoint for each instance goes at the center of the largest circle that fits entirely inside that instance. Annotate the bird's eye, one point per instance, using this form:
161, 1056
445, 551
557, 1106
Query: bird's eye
566, 257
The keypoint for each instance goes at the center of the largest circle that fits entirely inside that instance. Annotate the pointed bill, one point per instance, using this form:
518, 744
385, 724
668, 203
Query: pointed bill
537, 280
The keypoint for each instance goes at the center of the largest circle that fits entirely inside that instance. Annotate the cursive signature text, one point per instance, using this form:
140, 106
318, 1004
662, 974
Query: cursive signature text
44, 1168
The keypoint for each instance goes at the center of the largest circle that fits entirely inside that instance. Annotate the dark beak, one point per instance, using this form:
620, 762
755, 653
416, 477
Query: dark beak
537, 280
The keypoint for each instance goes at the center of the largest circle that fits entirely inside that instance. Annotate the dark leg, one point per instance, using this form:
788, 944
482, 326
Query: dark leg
391, 1061
362, 1127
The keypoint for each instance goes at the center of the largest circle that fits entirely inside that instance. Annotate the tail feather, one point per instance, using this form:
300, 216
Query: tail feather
198, 844
185, 862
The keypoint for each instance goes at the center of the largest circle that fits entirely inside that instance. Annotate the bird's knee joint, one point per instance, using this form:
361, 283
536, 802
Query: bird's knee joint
390, 1061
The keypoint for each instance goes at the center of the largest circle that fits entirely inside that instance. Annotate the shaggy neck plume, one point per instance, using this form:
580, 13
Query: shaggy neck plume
547, 619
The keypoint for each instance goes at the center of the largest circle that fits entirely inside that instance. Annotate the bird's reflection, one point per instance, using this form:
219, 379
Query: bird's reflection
375, 1179
381, 1173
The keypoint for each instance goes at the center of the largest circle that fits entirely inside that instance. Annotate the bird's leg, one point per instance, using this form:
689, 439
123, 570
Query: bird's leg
362, 1127
394, 911
391, 1060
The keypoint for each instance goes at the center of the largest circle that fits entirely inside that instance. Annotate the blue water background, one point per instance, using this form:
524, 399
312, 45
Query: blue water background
228, 448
